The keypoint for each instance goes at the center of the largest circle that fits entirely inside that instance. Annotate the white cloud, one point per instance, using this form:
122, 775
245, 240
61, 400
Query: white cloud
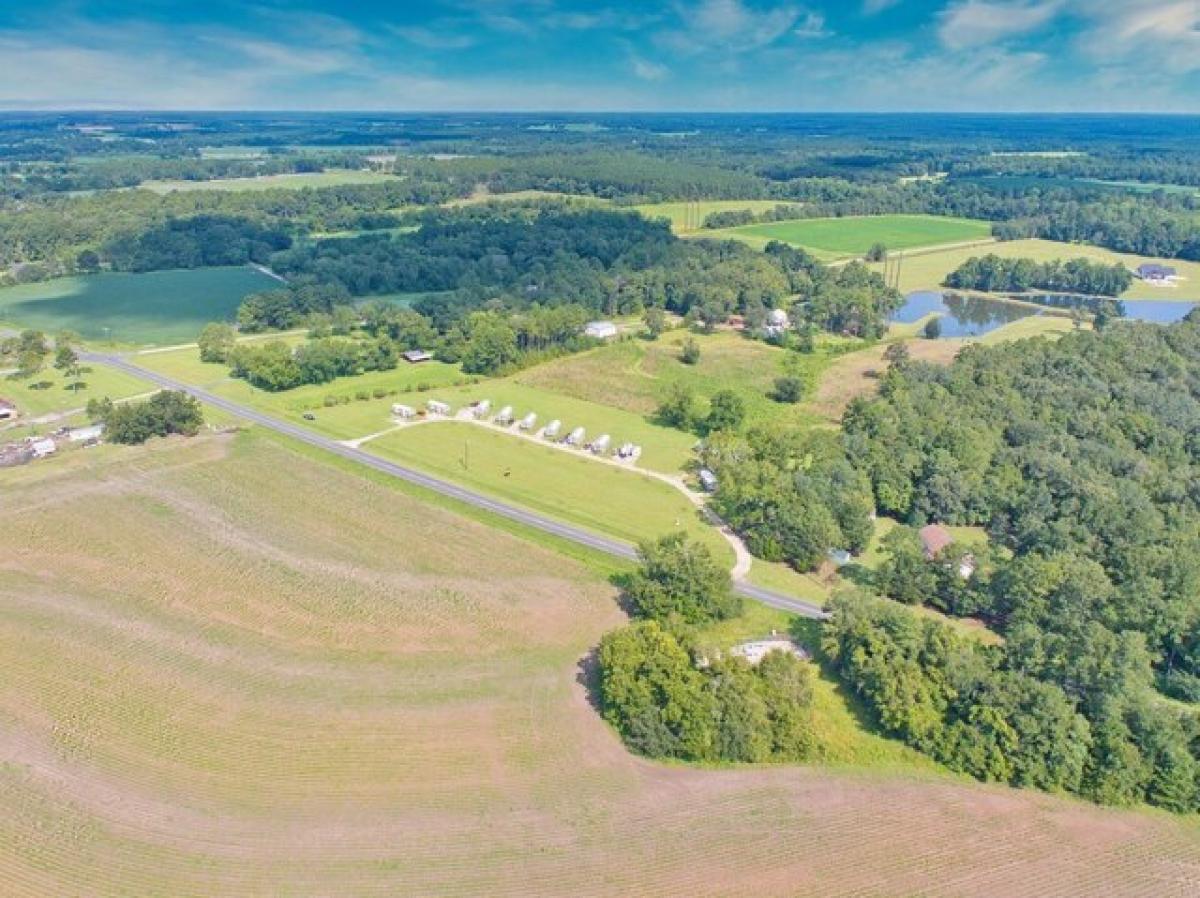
441, 37
1157, 35
811, 24
978, 23
727, 26
873, 7
649, 71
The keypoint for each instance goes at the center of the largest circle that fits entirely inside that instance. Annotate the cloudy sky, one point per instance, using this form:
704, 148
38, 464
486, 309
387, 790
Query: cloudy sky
571, 55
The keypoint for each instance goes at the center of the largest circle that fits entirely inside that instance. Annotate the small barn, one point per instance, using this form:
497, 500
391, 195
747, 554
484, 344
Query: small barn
415, 355
934, 538
600, 330
1153, 271
8, 410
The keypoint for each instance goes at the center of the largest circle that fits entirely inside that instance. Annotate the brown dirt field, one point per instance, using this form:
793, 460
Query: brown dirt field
857, 373
235, 671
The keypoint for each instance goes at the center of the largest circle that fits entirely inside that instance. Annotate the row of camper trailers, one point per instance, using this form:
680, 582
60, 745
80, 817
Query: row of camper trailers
505, 418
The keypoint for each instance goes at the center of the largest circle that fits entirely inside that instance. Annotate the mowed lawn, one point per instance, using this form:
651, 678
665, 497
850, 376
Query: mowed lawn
291, 180
613, 500
49, 392
689, 218
839, 238
158, 307
275, 676
928, 271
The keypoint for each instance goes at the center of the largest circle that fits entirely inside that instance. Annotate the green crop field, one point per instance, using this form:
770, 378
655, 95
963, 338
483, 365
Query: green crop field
927, 271
291, 181
277, 677
836, 238
159, 307
687, 218
566, 485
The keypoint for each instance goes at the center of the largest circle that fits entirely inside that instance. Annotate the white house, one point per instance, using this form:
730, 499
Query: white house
600, 330
414, 356
777, 322
1155, 273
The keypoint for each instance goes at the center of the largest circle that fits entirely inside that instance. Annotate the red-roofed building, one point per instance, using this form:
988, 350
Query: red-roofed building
934, 538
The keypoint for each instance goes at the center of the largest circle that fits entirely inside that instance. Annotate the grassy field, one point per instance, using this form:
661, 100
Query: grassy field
635, 375
687, 218
49, 393
159, 307
293, 181
482, 195
927, 271
570, 487
839, 238
278, 678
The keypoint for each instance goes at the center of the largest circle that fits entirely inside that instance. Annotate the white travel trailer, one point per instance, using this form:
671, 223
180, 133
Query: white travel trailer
528, 421
437, 407
403, 412
601, 443
481, 408
552, 429
505, 416
575, 437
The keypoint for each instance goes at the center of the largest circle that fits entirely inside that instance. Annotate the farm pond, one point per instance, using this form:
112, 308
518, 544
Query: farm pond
973, 316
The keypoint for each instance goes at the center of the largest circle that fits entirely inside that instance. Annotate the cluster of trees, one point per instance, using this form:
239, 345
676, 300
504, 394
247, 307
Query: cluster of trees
993, 274
26, 352
274, 365
668, 702
793, 496
289, 307
849, 299
1081, 459
198, 242
985, 712
680, 408
165, 413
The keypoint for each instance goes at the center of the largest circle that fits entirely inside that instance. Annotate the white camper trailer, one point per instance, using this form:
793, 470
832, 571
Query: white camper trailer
575, 437
528, 421
552, 429
481, 408
403, 412
504, 417
437, 407
601, 443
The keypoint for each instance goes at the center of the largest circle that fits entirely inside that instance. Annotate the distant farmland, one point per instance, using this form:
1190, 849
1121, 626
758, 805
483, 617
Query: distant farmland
689, 218
834, 238
159, 307
334, 178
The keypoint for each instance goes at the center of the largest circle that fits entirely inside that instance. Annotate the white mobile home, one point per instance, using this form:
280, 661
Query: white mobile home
600, 330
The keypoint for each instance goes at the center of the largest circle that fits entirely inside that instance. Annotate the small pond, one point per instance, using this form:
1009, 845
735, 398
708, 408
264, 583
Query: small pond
1155, 311
961, 316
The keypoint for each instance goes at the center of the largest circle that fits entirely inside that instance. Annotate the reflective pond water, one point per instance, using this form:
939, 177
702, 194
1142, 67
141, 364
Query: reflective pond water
961, 316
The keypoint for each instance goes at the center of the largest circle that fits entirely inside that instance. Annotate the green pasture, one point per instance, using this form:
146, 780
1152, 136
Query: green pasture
835, 238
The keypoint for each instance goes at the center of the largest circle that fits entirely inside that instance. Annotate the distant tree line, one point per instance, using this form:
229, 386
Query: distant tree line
163, 414
994, 274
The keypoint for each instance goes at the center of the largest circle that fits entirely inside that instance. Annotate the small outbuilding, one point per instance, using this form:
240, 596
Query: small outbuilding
1152, 271
934, 538
600, 330
708, 480
89, 434
415, 355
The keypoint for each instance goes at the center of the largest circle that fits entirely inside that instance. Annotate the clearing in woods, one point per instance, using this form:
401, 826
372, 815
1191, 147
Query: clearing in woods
277, 677
839, 238
688, 218
289, 180
155, 308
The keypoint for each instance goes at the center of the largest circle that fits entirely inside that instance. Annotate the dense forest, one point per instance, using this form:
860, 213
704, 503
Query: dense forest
1080, 458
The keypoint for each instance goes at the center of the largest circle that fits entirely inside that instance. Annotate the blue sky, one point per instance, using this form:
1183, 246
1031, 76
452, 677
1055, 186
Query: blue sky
568, 55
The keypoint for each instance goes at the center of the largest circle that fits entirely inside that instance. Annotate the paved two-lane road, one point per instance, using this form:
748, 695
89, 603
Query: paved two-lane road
570, 532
